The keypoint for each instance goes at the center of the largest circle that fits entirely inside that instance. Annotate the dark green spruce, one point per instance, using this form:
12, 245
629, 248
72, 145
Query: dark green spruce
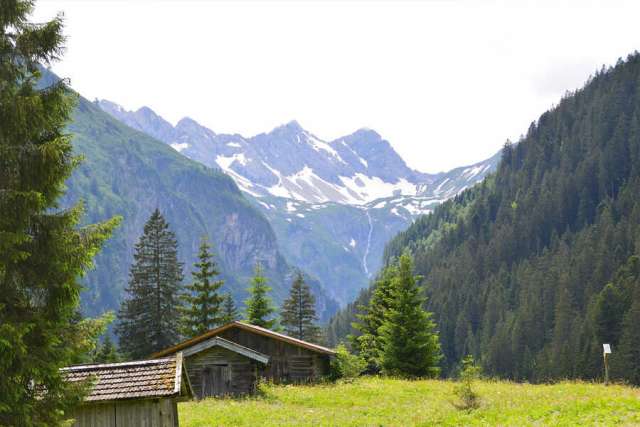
259, 306
43, 249
149, 316
367, 341
298, 314
202, 301
229, 310
409, 341
107, 352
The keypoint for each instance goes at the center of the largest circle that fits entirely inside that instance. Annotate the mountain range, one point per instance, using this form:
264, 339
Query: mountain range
332, 204
128, 173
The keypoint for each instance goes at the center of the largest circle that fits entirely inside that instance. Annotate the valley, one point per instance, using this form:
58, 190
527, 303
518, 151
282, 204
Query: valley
333, 205
181, 250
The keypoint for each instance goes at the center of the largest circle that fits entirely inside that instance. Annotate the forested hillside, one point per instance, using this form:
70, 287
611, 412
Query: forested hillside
534, 269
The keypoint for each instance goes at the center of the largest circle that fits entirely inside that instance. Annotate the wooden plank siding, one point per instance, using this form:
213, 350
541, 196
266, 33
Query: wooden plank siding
133, 413
141, 393
242, 371
287, 362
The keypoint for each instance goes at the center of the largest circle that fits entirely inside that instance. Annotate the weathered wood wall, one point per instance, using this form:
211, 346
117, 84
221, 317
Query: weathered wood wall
287, 363
242, 370
132, 413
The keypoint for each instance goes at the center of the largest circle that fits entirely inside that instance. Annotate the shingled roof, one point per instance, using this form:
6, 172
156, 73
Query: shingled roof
247, 327
141, 379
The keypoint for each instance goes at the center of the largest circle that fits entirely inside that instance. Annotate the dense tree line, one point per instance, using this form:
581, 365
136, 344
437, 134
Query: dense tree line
159, 310
535, 268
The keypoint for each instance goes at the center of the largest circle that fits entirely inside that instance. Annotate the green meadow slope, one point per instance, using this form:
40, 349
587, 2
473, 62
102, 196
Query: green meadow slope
391, 402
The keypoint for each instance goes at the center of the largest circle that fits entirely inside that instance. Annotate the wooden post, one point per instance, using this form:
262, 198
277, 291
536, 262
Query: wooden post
605, 354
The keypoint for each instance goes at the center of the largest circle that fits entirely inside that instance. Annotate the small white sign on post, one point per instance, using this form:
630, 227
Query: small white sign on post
606, 352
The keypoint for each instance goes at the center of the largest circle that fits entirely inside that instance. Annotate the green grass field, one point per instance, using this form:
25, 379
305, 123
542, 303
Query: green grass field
389, 402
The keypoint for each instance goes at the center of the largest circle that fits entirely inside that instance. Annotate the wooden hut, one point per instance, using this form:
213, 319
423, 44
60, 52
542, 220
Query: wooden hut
131, 394
218, 367
290, 359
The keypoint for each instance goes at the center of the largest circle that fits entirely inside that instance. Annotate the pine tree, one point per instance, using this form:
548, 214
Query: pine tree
625, 358
298, 316
43, 249
229, 310
608, 315
259, 306
203, 304
368, 343
148, 320
410, 343
107, 351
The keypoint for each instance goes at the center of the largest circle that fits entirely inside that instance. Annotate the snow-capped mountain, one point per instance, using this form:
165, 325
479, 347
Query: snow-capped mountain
292, 163
333, 204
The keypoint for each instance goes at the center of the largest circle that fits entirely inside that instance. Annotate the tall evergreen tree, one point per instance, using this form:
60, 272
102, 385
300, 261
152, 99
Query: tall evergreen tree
107, 351
229, 310
626, 363
368, 343
149, 317
298, 316
609, 312
203, 303
43, 250
410, 343
259, 306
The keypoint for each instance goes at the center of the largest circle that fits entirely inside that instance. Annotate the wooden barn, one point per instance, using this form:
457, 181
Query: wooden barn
132, 394
289, 359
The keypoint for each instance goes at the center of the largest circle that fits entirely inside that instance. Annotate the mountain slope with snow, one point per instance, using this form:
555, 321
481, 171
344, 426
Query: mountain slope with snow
333, 204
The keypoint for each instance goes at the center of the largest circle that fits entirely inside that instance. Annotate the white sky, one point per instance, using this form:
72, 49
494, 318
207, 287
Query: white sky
446, 82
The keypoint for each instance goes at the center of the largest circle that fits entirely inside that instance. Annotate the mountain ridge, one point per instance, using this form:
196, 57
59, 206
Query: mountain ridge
331, 213
293, 163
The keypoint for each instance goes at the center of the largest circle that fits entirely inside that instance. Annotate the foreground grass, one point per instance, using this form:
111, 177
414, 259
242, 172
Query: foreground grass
389, 402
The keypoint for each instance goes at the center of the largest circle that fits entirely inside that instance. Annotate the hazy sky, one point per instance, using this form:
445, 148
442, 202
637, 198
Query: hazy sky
445, 82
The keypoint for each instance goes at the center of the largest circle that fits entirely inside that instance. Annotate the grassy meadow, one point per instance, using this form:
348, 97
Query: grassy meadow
392, 402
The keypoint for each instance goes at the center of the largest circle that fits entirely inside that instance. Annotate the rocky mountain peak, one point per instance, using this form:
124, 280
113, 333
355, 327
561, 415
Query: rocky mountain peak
291, 162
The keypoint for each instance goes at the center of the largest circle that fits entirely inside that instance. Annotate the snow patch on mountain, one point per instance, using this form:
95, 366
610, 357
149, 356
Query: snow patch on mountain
291, 207
321, 145
369, 188
471, 172
179, 146
225, 162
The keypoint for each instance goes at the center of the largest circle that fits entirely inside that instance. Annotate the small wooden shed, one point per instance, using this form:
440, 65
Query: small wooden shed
290, 359
218, 367
132, 394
